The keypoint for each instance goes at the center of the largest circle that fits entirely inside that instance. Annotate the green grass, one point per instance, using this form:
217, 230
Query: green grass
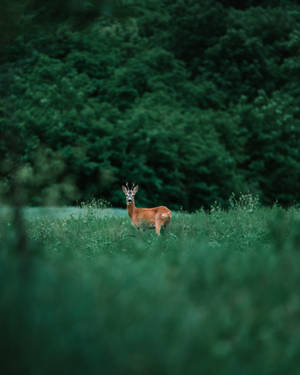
217, 294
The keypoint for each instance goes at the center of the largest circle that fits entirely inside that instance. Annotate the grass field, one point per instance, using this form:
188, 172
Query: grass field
217, 294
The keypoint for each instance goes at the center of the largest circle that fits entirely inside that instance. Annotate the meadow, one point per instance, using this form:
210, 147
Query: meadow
217, 294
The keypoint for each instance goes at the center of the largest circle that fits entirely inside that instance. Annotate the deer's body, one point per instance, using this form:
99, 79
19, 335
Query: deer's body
155, 217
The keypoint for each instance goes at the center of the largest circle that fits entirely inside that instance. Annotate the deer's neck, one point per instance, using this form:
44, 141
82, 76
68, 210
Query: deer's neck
131, 208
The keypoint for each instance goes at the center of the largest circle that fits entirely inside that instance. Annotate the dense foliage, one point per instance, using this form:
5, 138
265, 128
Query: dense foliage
193, 100
92, 295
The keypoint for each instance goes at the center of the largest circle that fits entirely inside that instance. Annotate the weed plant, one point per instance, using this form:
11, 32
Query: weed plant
217, 294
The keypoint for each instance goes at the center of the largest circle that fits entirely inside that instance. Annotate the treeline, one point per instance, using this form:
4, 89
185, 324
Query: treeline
193, 100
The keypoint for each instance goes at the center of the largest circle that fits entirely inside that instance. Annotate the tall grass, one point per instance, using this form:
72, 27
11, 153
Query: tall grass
217, 294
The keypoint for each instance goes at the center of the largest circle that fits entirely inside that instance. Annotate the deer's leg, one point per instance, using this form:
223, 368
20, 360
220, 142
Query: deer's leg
157, 227
165, 224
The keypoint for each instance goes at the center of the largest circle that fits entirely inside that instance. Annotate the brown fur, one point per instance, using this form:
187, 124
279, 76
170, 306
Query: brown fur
155, 217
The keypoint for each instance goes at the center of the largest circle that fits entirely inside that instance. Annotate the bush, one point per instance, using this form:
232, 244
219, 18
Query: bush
192, 101
96, 295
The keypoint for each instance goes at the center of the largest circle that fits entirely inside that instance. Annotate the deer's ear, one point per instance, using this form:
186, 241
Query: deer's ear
136, 189
124, 189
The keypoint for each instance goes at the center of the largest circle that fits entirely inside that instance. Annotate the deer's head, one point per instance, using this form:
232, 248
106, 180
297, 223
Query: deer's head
130, 193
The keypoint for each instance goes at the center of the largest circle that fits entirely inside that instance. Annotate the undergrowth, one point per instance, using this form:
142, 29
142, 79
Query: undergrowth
216, 294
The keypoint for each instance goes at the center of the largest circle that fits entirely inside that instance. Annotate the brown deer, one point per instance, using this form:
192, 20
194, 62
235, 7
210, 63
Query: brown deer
155, 217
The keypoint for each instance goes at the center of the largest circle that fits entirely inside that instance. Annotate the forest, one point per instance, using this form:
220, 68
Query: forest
193, 100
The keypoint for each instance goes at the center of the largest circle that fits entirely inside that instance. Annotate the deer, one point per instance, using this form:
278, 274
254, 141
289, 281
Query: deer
156, 217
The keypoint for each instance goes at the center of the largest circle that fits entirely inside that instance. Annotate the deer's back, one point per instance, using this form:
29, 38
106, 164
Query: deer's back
150, 215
